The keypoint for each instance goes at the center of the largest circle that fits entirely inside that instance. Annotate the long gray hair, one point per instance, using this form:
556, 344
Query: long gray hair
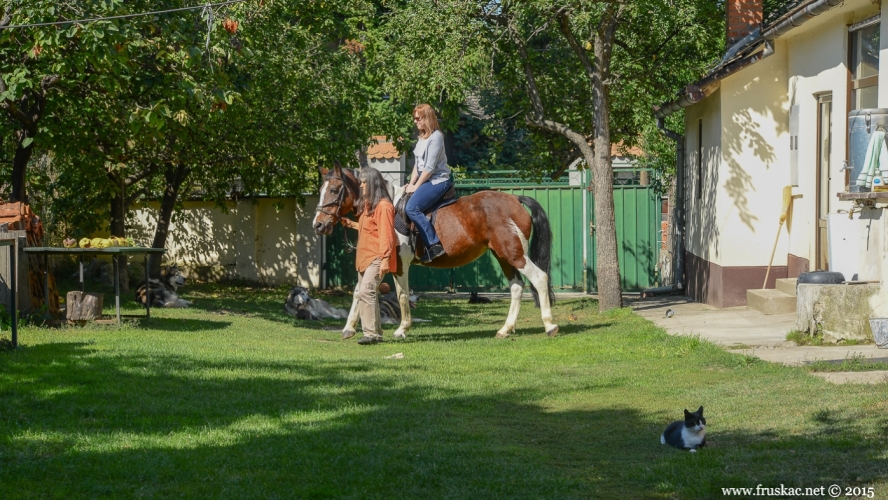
376, 190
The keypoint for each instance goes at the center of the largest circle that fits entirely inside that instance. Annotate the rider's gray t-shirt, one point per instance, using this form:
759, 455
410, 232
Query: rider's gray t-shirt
430, 157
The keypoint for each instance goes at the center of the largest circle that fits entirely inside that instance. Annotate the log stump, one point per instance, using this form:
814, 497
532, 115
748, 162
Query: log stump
84, 306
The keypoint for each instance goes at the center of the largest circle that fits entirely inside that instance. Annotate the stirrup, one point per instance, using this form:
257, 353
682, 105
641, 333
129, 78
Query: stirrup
433, 252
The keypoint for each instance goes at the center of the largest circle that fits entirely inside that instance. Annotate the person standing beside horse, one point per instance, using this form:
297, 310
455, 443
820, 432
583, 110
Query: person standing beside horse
376, 254
433, 180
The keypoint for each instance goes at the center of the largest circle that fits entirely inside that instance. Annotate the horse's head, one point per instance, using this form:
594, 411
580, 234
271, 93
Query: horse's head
339, 193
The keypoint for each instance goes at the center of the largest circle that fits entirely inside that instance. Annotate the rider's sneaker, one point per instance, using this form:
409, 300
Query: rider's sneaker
433, 252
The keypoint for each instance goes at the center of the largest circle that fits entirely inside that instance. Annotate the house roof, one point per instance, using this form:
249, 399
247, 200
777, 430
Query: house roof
751, 49
383, 149
619, 150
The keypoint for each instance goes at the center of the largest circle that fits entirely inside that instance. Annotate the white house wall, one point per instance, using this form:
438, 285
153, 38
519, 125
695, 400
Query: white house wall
817, 61
702, 231
754, 165
268, 240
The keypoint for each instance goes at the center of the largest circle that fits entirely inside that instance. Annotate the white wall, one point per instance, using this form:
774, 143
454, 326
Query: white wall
737, 224
818, 63
391, 168
703, 234
269, 240
754, 165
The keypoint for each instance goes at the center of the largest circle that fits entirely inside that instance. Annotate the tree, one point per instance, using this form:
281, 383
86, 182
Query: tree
581, 74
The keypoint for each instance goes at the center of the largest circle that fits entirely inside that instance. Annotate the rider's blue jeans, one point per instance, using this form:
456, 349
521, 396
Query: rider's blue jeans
424, 197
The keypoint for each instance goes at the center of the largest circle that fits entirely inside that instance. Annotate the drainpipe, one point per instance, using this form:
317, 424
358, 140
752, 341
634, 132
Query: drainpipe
678, 218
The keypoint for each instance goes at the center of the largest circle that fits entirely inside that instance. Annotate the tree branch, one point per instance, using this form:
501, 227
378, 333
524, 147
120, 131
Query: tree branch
557, 14
50, 81
7, 17
559, 128
564, 25
17, 113
148, 172
532, 91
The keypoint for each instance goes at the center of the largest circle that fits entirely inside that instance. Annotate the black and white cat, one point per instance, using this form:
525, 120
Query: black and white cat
689, 434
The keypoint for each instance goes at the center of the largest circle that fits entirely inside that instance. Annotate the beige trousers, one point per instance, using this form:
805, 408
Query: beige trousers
368, 301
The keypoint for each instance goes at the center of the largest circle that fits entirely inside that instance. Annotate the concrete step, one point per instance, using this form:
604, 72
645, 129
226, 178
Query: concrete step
770, 301
787, 285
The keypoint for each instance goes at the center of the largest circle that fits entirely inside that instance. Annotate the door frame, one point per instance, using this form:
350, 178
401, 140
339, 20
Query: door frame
821, 180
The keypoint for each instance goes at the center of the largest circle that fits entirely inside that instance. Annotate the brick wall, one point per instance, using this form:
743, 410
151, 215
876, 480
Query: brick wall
743, 16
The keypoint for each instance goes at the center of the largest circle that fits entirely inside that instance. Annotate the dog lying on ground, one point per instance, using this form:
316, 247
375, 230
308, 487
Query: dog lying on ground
301, 306
162, 291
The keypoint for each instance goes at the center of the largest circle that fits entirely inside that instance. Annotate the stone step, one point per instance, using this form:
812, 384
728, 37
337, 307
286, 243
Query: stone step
770, 301
787, 285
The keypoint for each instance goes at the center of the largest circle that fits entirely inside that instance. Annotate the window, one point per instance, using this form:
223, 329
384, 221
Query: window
700, 159
864, 64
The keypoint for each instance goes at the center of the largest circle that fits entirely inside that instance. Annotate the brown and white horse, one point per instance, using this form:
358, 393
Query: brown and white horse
467, 228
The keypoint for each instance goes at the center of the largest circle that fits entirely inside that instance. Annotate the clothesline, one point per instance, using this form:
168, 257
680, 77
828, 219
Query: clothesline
123, 16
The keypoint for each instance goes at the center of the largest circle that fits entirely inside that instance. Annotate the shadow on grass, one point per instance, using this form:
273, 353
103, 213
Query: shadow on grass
165, 425
567, 329
268, 304
182, 324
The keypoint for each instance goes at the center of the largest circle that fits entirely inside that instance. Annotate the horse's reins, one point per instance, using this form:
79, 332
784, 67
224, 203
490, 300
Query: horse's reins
340, 199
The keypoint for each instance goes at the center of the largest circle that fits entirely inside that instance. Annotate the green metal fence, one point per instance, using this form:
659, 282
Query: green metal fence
573, 250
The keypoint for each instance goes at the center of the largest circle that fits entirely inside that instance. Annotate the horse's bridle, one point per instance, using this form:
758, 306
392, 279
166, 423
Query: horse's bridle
340, 199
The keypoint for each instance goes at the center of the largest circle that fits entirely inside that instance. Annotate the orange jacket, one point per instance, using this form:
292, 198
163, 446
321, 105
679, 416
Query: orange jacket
376, 237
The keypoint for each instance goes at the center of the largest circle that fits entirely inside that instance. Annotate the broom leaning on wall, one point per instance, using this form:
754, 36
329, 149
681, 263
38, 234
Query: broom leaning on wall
787, 201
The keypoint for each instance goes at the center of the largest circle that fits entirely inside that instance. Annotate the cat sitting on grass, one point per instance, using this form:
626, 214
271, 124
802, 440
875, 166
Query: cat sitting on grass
689, 434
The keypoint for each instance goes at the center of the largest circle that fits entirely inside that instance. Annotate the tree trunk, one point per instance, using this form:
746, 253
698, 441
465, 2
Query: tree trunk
610, 295
175, 177
82, 306
20, 167
117, 227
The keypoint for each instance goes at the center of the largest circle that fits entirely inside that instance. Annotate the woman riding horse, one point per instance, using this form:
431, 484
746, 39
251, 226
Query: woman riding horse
432, 183
515, 228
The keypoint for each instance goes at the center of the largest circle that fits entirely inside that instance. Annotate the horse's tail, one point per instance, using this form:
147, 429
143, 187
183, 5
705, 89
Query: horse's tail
540, 244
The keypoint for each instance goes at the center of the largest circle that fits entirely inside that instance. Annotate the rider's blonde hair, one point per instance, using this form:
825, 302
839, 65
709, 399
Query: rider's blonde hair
431, 119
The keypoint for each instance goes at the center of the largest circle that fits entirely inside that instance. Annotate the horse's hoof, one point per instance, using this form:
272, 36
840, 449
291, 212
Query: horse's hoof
552, 332
347, 334
399, 336
501, 335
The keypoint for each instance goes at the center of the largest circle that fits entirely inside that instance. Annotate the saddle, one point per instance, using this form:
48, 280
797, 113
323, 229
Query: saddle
406, 227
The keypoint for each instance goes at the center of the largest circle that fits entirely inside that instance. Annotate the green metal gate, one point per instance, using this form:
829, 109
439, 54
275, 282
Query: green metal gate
573, 243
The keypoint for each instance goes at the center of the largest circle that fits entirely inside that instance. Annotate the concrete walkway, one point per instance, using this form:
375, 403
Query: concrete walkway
747, 331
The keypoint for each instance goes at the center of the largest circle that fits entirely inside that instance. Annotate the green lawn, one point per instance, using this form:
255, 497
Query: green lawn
233, 399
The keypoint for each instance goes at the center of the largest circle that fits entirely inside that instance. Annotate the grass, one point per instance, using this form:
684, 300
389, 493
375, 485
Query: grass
233, 399
854, 363
804, 338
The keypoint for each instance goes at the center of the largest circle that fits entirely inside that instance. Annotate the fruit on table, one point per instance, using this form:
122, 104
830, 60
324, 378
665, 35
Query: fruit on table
69, 243
95, 243
85, 243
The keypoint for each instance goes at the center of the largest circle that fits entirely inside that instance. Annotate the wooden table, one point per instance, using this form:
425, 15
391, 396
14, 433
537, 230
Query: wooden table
12, 248
114, 252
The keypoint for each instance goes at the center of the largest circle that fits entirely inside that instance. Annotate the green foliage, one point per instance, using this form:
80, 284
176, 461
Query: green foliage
659, 47
264, 105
